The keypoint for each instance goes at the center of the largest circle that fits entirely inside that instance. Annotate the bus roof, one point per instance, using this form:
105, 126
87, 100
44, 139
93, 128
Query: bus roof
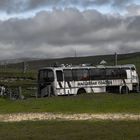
87, 67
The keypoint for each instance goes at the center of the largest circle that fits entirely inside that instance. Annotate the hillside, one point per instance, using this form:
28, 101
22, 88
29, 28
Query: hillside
131, 58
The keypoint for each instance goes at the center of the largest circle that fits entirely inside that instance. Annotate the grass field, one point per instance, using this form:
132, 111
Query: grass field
87, 103
71, 130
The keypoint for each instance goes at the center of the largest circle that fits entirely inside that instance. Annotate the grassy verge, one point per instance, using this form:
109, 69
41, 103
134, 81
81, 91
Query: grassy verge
71, 130
89, 103
18, 74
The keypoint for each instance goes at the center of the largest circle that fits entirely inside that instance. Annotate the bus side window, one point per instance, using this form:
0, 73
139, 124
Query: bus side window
59, 75
93, 74
85, 75
68, 75
133, 68
97, 74
74, 73
80, 74
109, 73
116, 73
123, 73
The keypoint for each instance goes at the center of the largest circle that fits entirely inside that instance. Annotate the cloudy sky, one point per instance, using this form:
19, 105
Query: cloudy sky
58, 28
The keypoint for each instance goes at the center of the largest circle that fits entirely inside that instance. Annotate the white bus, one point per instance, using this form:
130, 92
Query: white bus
74, 80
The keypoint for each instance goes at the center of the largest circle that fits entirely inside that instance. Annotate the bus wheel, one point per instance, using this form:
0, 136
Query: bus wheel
81, 91
124, 90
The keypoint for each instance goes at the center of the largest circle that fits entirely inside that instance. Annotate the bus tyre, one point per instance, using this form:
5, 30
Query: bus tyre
124, 90
81, 91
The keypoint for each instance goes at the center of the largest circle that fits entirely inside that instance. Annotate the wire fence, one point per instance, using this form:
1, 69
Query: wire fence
15, 93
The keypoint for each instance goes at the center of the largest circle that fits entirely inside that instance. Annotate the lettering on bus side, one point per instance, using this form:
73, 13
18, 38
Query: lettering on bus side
106, 82
86, 83
95, 83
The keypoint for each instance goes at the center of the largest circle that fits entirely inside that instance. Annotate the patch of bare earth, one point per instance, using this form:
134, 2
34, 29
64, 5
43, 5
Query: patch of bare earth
17, 117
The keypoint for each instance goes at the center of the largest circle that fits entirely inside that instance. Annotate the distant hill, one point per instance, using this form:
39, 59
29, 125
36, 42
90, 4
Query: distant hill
131, 58
16, 60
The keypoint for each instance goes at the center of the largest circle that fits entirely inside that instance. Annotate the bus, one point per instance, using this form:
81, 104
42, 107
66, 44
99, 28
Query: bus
72, 80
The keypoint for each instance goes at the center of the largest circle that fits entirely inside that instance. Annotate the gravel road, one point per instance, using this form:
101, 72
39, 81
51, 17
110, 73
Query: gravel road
17, 117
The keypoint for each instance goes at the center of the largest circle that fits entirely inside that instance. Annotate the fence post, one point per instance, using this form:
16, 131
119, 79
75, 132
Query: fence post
20, 92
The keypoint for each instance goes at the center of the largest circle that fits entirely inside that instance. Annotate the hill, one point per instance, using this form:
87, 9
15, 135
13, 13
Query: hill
131, 58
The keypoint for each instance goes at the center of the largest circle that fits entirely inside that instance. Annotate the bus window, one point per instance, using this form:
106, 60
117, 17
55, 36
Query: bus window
110, 73
85, 75
97, 74
46, 75
77, 74
74, 73
68, 75
80, 74
123, 74
59, 75
116, 73
133, 68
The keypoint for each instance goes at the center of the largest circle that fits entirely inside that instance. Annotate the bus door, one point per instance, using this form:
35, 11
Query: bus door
69, 83
45, 82
134, 75
60, 82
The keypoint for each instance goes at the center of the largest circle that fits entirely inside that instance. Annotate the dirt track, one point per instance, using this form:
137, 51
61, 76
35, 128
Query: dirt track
17, 117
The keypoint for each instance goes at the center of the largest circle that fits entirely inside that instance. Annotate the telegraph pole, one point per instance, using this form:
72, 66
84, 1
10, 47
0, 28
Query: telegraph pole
24, 67
116, 59
75, 53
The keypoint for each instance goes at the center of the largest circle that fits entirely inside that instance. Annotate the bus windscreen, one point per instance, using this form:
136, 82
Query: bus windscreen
46, 75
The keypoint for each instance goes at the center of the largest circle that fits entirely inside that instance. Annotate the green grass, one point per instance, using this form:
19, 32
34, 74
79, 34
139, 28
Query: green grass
132, 60
14, 78
18, 74
71, 130
90, 103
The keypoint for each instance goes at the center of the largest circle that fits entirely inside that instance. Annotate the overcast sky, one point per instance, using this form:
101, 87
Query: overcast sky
58, 28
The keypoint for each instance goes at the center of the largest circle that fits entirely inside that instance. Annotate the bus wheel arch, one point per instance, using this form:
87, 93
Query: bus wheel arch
81, 91
124, 89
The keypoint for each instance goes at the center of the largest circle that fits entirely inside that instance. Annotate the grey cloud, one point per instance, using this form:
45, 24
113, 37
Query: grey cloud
84, 3
13, 6
58, 33
134, 25
120, 3
18, 6
133, 10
